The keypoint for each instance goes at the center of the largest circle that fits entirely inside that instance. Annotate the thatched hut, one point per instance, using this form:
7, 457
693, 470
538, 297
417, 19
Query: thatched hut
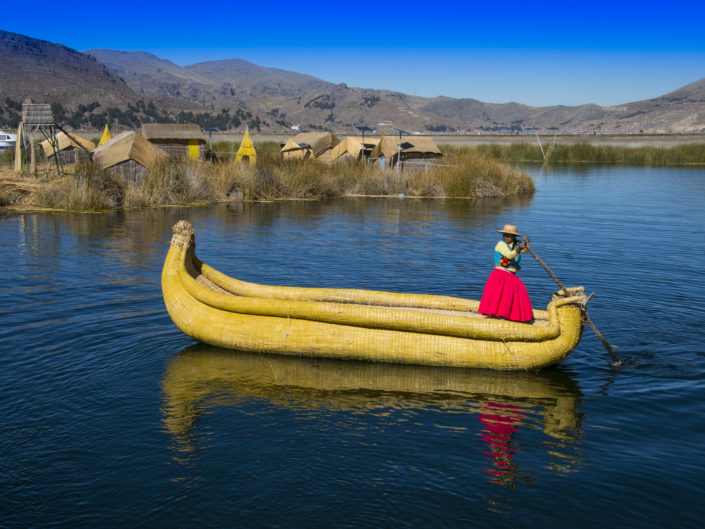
246, 153
308, 145
71, 150
350, 148
179, 141
414, 150
127, 155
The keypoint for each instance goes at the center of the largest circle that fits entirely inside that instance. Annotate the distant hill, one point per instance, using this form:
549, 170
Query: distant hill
292, 98
54, 73
285, 98
84, 91
135, 87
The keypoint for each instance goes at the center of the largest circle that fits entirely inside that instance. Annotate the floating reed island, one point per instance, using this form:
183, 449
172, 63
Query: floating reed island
164, 181
176, 165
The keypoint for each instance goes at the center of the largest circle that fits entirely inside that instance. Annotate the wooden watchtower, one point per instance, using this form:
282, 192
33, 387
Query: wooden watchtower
38, 117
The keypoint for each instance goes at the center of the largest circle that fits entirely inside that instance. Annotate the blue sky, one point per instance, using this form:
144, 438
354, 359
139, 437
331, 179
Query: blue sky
536, 53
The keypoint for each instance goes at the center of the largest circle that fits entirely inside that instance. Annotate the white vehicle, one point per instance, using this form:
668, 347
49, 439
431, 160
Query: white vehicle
7, 140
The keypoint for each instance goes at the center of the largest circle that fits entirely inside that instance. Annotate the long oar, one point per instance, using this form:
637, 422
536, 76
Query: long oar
615, 361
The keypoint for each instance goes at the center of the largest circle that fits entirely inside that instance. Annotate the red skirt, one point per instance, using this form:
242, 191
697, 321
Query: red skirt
506, 296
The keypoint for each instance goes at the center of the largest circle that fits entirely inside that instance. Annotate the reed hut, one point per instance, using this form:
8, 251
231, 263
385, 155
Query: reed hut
350, 148
127, 155
70, 150
414, 151
308, 145
246, 153
179, 141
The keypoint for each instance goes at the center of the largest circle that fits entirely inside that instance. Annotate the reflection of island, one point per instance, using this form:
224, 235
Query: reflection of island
203, 377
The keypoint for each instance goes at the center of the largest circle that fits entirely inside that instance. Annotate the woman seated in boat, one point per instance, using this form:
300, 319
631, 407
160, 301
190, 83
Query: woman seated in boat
505, 295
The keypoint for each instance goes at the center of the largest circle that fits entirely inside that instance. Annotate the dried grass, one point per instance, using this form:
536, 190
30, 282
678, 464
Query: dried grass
462, 172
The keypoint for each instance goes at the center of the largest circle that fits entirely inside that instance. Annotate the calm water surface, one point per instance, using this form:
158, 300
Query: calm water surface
112, 417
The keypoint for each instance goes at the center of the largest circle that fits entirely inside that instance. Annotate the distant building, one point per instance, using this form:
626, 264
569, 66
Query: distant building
7, 140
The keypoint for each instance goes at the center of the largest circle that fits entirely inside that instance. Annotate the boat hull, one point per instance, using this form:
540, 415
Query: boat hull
352, 330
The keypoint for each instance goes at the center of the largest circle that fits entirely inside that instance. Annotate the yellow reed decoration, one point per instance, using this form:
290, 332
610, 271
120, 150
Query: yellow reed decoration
246, 152
358, 324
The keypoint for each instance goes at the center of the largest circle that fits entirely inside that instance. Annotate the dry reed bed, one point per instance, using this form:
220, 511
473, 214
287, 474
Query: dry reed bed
465, 174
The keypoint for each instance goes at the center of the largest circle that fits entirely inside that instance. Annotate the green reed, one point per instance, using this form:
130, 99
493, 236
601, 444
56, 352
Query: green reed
587, 153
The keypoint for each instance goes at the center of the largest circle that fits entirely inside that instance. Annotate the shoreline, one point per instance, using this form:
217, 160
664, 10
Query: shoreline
19, 209
623, 140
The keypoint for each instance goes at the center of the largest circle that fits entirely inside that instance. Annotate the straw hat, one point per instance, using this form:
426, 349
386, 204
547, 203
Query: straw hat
511, 229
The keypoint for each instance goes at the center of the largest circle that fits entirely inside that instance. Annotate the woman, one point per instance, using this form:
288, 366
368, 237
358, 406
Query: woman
505, 295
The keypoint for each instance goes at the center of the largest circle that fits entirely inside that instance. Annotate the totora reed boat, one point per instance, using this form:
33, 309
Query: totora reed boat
359, 324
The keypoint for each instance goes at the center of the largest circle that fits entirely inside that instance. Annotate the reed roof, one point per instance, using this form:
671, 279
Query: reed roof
350, 145
172, 131
64, 142
127, 146
290, 145
389, 146
318, 142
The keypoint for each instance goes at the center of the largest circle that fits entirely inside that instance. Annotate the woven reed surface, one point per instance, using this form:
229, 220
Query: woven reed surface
172, 131
305, 327
127, 146
64, 142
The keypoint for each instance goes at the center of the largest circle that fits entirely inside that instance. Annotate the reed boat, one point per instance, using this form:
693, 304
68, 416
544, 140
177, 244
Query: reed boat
353, 324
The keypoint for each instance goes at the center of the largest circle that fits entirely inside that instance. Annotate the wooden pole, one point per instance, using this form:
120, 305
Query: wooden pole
19, 144
90, 154
32, 155
615, 360
540, 146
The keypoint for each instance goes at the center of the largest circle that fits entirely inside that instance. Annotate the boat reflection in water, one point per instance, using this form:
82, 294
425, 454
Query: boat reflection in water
202, 378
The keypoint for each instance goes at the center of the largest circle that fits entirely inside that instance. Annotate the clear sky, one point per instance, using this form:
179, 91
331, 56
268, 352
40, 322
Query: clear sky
537, 53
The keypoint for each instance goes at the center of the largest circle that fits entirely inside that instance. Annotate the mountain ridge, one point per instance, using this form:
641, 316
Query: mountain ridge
274, 100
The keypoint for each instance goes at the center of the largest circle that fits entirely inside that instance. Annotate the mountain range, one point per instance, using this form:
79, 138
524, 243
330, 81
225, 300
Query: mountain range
141, 87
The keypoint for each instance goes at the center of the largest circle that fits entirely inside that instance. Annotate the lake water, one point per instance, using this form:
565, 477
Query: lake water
112, 417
